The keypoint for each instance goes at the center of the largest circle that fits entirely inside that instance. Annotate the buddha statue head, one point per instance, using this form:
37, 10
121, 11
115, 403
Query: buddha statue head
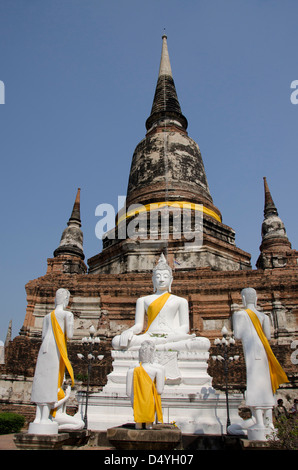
249, 296
62, 297
162, 276
147, 352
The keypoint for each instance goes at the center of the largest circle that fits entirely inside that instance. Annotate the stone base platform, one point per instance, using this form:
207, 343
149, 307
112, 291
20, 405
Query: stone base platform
164, 437
189, 442
202, 413
188, 399
66, 440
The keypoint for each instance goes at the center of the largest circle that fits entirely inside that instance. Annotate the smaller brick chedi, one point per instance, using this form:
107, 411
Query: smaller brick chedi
167, 172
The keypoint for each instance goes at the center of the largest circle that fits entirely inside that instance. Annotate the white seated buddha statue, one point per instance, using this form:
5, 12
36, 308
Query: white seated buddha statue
167, 315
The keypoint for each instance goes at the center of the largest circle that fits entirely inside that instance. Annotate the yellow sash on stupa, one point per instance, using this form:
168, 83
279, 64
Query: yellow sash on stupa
155, 307
146, 399
277, 374
60, 338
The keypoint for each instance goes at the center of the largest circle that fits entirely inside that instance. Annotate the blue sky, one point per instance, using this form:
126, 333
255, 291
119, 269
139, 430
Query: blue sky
79, 79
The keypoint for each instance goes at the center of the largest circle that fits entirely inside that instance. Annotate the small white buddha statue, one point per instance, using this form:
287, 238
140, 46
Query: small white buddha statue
144, 385
66, 422
168, 318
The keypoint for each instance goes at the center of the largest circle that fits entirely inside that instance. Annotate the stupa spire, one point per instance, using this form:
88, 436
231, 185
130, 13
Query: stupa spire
165, 65
76, 211
269, 206
71, 242
275, 244
8, 335
273, 228
165, 105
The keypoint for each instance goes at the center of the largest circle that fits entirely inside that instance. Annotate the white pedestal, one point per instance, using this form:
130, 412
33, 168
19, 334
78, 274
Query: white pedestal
43, 428
258, 433
188, 398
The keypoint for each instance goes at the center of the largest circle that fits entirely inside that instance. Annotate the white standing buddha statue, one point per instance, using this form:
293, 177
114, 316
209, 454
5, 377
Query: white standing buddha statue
264, 374
167, 318
51, 363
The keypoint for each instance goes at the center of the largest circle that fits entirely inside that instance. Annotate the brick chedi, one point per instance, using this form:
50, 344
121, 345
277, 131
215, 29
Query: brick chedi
276, 250
167, 167
69, 255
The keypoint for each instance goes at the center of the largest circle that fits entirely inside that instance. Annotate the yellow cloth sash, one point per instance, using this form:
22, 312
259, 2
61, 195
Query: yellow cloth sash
146, 399
277, 374
60, 338
155, 307
180, 204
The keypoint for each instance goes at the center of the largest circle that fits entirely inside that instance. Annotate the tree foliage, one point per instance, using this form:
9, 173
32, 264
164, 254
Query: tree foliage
285, 436
11, 422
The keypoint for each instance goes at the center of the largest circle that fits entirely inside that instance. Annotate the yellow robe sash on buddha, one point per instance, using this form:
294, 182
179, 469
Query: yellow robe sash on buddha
155, 307
60, 338
146, 401
277, 374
